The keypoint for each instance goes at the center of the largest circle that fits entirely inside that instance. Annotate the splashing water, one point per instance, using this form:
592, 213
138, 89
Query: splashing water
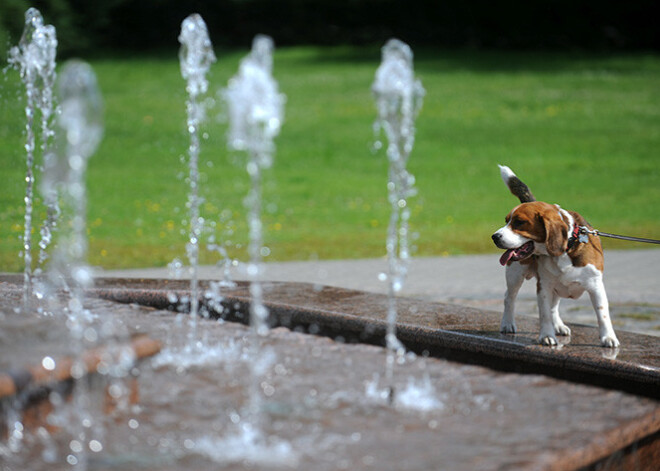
255, 117
210, 356
398, 98
255, 109
255, 106
81, 122
34, 57
250, 447
195, 56
417, 395
47, 108
68, 275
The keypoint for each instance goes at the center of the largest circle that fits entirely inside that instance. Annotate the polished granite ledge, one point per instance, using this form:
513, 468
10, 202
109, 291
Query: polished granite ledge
460, 333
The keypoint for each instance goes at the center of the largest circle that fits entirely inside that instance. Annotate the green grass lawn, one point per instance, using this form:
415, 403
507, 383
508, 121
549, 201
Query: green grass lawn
581, 130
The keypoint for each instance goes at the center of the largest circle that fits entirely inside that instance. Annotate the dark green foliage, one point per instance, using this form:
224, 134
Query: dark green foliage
154, 24
11, 24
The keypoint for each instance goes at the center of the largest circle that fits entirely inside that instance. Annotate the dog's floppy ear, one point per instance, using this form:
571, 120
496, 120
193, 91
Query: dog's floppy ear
556, 234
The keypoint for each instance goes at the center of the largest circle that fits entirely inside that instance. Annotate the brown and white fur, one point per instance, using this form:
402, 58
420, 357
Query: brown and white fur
538, 243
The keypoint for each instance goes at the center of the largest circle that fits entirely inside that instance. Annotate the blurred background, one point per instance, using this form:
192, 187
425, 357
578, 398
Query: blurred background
153, 24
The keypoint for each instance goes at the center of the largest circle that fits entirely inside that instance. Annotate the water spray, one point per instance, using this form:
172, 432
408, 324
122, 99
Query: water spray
398, 98
34, 57
68, 276
195, 56
255, 109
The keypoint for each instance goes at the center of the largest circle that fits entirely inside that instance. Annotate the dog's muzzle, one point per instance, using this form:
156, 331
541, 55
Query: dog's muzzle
497, 239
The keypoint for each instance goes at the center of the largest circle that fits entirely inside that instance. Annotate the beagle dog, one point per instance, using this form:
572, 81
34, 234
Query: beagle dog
547, 242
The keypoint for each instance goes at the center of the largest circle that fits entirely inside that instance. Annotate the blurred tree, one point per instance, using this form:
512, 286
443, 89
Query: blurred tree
12, 18
153, 24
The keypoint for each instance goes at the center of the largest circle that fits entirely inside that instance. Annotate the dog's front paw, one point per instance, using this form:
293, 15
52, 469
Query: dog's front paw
508, 327
548, 340
609, 341
562, 330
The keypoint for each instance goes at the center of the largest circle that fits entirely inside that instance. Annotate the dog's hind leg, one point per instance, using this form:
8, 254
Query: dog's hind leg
515, 276
602, 308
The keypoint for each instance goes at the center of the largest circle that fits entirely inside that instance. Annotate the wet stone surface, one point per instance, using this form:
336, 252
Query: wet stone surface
321, 407
450, 331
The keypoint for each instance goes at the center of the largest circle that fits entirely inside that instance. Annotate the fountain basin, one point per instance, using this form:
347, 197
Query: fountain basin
436, 329
484, 418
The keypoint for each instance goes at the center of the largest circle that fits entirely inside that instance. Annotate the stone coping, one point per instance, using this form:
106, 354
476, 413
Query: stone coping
464, 334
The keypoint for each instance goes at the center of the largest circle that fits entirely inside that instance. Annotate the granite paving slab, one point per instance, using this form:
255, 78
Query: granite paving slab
450, 331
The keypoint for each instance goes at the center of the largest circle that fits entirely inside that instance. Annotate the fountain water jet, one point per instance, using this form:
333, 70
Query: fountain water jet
47, 109
81, 123
255, 114
398, 98
195, 56
34, 57
255, 109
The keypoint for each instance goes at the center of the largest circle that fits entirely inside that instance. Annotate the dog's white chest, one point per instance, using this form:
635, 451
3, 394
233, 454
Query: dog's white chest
568, 281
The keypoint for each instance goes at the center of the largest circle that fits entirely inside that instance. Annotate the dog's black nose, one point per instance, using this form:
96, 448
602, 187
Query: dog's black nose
497, 239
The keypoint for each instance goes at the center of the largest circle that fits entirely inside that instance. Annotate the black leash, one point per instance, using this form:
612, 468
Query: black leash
584, 230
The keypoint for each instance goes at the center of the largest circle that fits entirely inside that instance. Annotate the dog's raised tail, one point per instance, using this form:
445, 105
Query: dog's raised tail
517, 187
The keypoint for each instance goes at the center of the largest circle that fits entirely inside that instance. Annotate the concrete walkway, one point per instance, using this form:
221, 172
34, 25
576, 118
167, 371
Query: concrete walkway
632, 280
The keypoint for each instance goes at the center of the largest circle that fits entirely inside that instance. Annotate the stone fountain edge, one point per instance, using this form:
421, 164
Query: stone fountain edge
337, 312
467, 335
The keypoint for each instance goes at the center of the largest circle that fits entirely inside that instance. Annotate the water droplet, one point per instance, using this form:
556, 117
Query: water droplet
48, 363
75, 446
77, 371
188, 444
268, 389
252, 270
115, 391
95, 446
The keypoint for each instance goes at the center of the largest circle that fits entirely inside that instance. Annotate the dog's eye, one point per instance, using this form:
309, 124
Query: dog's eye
517, 223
